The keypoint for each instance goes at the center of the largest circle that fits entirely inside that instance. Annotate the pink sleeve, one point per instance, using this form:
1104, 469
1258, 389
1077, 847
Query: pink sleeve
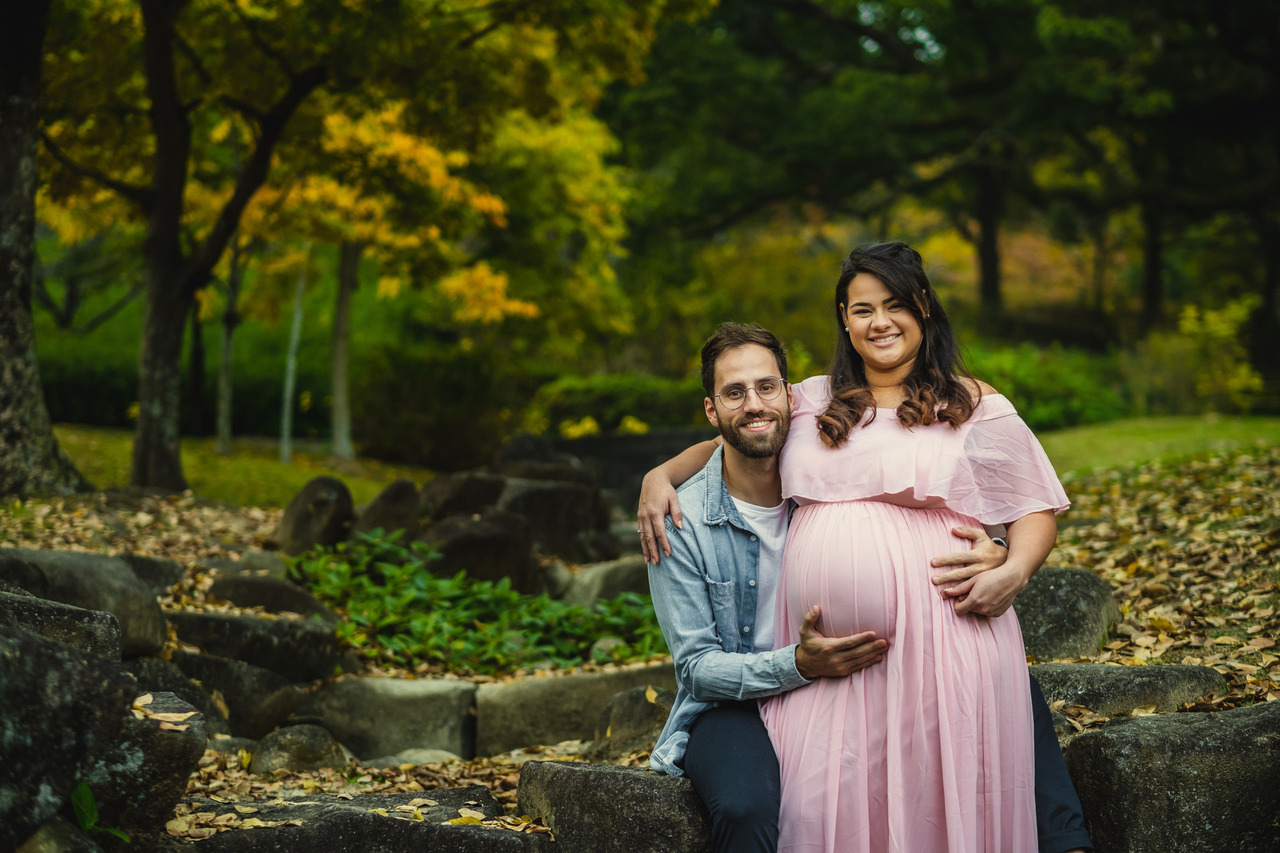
1011, 474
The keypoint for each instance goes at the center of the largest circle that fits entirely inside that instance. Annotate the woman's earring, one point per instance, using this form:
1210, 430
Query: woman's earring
846, 328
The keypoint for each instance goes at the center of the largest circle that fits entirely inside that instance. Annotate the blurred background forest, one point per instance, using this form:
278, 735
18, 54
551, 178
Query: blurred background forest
459, 220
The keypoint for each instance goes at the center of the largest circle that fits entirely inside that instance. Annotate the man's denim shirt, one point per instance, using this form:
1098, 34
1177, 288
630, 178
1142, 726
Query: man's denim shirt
705, 598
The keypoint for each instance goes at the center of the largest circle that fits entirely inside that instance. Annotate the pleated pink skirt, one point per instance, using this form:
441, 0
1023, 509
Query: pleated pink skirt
929, 750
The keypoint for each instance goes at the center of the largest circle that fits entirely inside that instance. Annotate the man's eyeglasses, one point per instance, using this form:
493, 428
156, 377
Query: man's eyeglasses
733, 396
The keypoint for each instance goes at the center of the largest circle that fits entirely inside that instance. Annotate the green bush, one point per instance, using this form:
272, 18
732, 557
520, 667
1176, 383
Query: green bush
612, 398
1054, 387
399, 613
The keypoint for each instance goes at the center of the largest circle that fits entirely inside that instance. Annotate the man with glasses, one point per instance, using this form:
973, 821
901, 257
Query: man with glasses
714, 597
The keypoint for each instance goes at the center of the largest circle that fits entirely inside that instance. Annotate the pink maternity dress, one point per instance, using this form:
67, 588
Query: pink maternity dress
930, 750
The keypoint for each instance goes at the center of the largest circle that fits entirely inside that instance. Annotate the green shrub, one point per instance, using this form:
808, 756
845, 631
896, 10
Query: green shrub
615, 402
399, 613
1055, 387
1203, 366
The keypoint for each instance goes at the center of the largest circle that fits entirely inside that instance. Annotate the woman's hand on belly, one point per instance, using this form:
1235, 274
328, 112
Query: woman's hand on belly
819, 656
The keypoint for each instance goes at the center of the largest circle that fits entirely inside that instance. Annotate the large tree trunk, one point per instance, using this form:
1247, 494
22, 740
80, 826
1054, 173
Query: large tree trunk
988, 210
348, 280
1152, 264
172, 278
291, 366
31, 461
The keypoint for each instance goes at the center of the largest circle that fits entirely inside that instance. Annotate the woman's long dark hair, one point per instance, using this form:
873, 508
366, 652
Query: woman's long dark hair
934, 389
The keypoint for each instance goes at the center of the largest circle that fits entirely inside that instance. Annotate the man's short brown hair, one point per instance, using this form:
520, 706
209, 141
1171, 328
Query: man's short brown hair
731, 336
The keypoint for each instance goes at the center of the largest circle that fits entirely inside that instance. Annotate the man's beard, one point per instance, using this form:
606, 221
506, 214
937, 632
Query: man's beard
756, 446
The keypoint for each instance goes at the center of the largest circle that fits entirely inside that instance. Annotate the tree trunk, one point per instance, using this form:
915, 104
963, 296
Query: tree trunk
291, 367
195, 370
31, 462
989, 207
230, 319
348, 280
1152, 264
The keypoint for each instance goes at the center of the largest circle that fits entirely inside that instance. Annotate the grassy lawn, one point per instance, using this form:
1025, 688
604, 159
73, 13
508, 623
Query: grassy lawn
1119, 443
252, 475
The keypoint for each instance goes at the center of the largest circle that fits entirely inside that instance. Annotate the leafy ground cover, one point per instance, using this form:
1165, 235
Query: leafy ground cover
1189, 546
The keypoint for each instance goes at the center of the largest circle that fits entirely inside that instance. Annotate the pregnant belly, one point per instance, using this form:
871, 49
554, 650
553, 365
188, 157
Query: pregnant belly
866, 564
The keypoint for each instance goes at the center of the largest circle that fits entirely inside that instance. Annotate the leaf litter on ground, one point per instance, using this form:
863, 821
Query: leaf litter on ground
1189, 548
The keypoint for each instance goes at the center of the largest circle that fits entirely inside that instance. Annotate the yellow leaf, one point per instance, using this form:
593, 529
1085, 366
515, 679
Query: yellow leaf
472, 813
650, 694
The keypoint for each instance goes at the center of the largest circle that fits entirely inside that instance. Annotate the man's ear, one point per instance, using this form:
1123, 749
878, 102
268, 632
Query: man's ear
710, 405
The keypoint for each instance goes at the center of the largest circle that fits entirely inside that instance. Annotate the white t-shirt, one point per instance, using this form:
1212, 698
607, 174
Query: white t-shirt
770, 525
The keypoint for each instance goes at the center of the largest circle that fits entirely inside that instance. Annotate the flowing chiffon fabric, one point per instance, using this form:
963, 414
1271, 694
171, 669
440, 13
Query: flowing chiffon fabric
930, 750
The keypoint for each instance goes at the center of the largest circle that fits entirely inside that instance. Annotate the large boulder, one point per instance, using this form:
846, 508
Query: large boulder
88, 630
375, 717
487, 546
63, 709
1193, 781
608, 580
463, 493
299, 649
163, 676
1065, 613
555, 708
300, 748
568, 519
273, 594
257, 699
96, 582
370, 823
22, 574
631, 723
395, 508
321, 514
1109, 690
138, 782
159, 574
597, 808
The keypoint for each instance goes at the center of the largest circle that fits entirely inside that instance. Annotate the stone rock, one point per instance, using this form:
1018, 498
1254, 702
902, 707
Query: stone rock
551, 709
1193, 781
560, 513
395, 508
631, 723
555, 579
321, 514
24, 575
1065, 613
88, 630
527, 447
231, 745
608, 580
300, 748
163, 676
160, 575
275, 595
601, 808
298, 649
464, 493
138, 782
63, 710
330, 823
59, 835
257, 699
489, 546
1110, 690
95, 582
382, 716
268, 563
414, 757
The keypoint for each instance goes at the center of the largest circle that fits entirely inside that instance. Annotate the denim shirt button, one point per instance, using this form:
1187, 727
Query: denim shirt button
746, 629
751, 582
753, 537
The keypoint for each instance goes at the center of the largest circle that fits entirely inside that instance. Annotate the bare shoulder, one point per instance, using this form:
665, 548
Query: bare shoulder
978, 388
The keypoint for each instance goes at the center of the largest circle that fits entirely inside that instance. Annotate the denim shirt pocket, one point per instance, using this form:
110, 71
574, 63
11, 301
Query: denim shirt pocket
724, 607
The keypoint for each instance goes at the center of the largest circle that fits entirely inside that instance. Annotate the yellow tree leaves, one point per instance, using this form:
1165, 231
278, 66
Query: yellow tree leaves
481, 294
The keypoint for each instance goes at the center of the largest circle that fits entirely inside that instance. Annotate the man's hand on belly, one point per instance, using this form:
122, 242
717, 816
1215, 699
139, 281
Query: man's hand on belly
819, 656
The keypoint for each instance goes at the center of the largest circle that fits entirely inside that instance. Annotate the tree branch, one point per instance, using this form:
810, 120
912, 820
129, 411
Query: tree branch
143, 196
902, 55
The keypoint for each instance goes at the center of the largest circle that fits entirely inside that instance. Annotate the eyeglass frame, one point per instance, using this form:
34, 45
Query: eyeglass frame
746, 391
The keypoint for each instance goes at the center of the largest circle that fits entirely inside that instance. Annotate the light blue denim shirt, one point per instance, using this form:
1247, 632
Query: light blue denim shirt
705, 598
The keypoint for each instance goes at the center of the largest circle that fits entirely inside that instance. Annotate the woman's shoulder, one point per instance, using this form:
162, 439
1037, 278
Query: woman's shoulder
978, 388
812, 392
990, 403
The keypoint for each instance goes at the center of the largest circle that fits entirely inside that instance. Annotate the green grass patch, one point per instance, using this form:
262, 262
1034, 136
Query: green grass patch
400, 614
252, 475
1139, 440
